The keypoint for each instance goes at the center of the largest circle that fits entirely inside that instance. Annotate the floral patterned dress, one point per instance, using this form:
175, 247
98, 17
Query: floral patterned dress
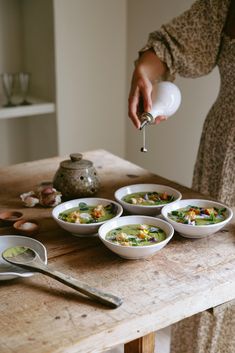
192, 45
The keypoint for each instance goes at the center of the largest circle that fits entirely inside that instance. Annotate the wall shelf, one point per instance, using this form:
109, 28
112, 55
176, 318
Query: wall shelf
36, 108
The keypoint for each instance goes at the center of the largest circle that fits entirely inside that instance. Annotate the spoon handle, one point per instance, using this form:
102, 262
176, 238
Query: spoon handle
94, 293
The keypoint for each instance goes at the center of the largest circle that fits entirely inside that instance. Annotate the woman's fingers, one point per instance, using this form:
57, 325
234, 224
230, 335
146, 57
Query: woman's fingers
146, 91
133, 107
139, 99
160, 118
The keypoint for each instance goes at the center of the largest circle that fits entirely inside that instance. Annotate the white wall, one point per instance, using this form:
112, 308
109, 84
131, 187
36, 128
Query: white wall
172, 145
39, 60
26, 44
12, 147
90, 39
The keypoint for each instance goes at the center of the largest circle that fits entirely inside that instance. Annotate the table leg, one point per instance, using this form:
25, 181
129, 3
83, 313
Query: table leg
143, 344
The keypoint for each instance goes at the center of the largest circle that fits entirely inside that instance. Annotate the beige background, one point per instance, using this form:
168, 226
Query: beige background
81, 54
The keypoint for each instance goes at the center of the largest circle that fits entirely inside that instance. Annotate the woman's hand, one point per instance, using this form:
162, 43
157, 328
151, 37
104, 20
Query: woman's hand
140, 95
148, 69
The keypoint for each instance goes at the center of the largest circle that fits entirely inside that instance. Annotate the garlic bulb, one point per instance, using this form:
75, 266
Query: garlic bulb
45, 195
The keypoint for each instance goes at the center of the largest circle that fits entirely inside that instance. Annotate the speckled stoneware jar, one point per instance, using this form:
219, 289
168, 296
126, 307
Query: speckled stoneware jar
76, 178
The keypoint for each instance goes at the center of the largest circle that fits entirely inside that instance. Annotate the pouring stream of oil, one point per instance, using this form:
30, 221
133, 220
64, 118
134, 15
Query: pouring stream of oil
143, 149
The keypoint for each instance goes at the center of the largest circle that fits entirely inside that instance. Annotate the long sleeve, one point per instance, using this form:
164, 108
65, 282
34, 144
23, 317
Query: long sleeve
190, 43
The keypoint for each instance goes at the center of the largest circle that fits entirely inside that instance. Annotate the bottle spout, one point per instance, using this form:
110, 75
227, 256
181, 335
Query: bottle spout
146, 118
145, 122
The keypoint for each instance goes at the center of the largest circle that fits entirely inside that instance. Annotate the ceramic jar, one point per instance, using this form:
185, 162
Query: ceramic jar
76, 178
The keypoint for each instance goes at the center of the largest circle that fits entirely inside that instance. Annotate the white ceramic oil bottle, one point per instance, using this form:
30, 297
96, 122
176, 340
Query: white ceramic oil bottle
166, 99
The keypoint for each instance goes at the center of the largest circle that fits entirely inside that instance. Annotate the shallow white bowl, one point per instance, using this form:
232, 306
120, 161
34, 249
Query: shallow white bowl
83, 229
144, 210
190, 231
135, 252
8, 271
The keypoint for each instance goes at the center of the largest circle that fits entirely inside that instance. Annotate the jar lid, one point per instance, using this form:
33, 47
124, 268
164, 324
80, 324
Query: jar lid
76, 162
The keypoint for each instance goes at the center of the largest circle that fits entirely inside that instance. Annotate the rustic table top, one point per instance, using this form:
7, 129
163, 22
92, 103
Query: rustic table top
41, 315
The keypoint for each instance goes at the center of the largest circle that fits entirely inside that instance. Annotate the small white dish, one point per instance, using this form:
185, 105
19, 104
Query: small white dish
8, 271
195, 231
27, 227
78, 229
135, 252
144, 210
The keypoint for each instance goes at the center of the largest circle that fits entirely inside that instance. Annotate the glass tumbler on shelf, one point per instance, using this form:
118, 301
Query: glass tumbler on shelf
8, 85
24, 78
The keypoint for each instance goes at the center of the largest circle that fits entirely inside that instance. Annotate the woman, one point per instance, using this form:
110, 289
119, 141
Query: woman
191, 45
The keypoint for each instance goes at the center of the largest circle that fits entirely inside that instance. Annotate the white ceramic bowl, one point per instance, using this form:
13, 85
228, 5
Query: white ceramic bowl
135, 252
8, 271
144, 210
83, 229
191, 231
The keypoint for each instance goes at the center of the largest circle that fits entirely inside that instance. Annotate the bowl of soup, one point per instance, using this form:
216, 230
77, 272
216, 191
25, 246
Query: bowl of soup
146, 199
196, 218
135, 237
84, 216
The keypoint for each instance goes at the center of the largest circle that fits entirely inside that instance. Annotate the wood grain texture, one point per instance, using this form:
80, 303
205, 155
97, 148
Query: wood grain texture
141, 345
40, 315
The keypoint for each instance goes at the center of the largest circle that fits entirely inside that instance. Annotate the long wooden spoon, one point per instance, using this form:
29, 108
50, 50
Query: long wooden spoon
29, 259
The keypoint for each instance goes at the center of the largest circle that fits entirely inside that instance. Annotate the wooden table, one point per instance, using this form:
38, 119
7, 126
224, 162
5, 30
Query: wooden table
41, 315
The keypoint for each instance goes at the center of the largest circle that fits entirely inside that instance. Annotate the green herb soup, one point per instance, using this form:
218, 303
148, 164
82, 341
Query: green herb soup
147, 198
85, 214
198, 216
136, 235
